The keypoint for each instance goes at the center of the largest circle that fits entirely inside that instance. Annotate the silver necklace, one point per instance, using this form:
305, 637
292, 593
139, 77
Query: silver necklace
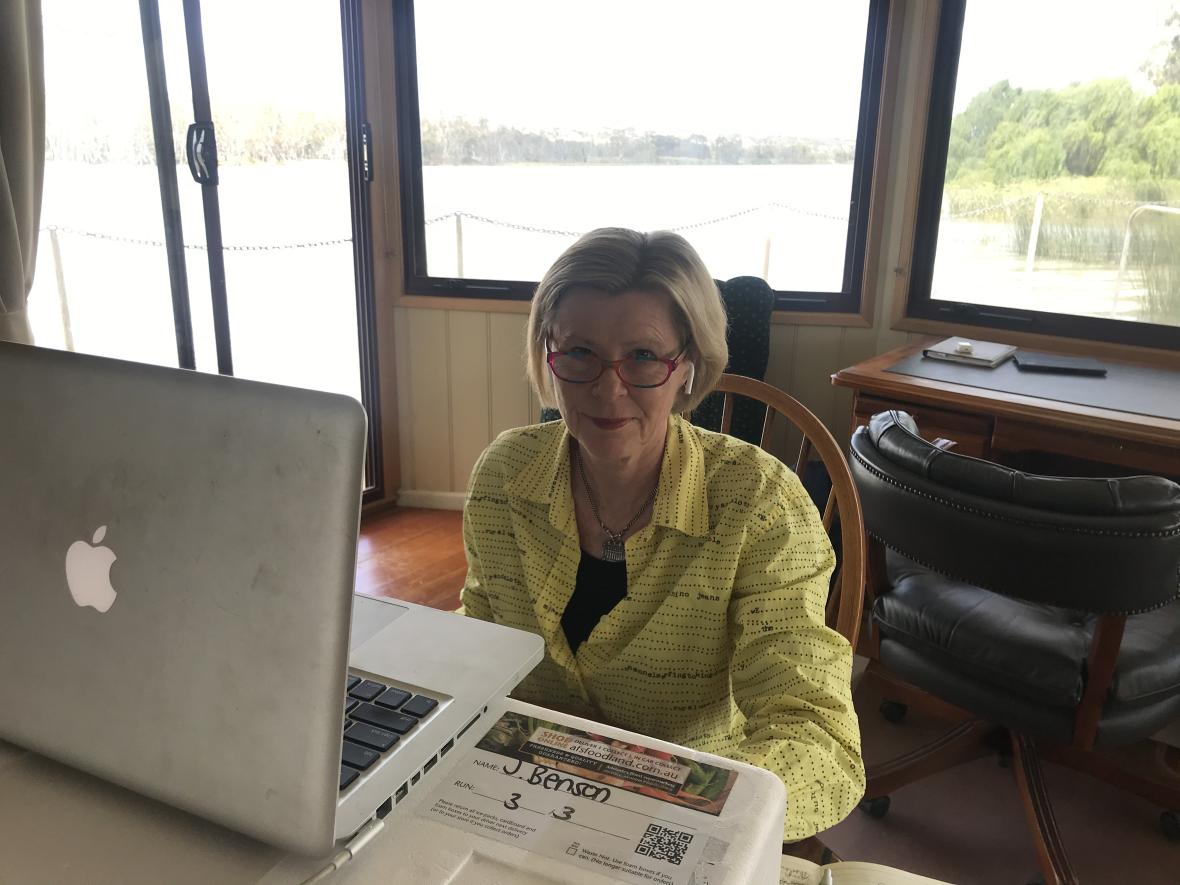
612, 548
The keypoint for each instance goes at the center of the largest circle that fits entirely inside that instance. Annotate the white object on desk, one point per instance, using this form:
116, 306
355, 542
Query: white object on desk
61, 826
969, 351
418, 847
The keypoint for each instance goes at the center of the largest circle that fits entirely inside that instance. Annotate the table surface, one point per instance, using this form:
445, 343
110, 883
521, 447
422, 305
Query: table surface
1125, 388
1012, 421
873, 375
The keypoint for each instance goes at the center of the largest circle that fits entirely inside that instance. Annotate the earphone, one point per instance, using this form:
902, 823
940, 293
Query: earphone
692, 373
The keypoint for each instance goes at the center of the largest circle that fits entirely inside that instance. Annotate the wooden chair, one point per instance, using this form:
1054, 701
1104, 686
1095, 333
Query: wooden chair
846, 599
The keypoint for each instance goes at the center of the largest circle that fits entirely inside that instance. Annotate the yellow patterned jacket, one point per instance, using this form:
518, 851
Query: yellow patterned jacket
720, 642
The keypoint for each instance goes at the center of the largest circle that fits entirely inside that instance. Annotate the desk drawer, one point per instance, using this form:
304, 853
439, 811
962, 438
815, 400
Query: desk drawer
971, 433
1107, 454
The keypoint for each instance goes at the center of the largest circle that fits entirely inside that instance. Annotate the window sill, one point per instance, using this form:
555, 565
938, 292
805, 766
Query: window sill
444, 302
820, 318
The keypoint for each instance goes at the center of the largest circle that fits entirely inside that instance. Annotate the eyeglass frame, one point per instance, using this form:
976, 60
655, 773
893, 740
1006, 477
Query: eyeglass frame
671, 365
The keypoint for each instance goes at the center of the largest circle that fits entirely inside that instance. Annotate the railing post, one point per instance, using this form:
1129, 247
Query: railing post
766, 259
1135, 213
62, 300
459, 244
1034, 233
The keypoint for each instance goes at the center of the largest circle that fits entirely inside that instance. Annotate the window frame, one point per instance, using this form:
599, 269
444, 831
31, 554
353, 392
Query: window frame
919, 305
851, 300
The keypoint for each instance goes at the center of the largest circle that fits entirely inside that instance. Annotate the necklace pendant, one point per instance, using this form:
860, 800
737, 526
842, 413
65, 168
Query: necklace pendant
613, 550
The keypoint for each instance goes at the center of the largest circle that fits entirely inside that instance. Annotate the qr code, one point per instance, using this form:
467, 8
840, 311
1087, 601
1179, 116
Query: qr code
662, 843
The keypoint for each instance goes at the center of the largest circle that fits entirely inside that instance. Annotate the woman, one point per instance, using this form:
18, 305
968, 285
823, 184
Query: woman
677, 576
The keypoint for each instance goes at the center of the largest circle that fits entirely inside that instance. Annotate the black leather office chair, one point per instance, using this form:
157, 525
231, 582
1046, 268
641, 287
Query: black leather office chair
1072, 648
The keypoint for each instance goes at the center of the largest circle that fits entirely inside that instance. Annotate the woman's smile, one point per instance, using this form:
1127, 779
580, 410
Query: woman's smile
609, 423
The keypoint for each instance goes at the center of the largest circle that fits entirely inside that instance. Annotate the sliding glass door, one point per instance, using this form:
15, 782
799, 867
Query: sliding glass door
102, 283
206, 196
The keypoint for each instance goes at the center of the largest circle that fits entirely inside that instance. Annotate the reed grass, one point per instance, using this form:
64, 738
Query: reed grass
1087, 226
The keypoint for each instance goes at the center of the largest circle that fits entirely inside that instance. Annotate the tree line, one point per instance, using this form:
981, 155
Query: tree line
274, 136
1099, 128
452, 142
268, 136
1102, 128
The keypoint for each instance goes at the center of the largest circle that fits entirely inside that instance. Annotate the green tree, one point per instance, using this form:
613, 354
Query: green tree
1015, 152
1167, 71
727, 149
1161, 141
975, 124
1085, 148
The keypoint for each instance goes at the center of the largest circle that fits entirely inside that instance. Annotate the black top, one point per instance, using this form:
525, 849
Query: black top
599, 587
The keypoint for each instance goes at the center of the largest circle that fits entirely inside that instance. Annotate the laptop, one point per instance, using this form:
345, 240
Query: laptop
177, 558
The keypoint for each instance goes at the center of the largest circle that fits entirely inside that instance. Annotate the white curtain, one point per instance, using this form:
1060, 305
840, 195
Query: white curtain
22, 159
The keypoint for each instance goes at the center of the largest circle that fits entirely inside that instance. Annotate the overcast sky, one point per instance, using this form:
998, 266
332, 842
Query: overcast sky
675, 66
754, 67
1038, 44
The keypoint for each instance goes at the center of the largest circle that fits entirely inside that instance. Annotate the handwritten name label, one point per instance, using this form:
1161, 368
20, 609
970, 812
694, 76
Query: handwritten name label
543, 777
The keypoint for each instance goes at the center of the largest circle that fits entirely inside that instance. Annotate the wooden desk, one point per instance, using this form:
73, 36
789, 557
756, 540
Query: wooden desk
1006, 427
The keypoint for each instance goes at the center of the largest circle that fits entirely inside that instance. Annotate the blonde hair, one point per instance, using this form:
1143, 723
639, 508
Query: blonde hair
616, 260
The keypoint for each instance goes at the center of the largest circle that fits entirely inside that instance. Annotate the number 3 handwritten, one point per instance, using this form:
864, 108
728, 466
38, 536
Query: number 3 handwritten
510, 803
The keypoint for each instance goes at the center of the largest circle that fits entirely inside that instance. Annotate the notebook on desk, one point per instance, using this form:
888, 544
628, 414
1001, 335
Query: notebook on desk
970, 352
176, 606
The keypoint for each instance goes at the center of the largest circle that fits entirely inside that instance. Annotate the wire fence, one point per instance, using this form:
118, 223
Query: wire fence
198, 247
1100, 255
1095, 236
1031, 199
460, 215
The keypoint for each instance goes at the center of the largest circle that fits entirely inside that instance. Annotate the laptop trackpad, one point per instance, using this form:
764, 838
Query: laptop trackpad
371, 616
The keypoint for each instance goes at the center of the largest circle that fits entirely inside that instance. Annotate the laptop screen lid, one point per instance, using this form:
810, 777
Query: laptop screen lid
178, 554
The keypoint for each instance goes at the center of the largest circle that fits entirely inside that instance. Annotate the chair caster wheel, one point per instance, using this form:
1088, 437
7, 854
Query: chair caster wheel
876, 808
1170, 824
893, 711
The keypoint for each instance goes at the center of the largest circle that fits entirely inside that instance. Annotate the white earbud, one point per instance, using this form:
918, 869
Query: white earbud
692, 373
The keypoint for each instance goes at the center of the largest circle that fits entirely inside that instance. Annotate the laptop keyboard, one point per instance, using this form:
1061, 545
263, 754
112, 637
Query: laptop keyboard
375, 718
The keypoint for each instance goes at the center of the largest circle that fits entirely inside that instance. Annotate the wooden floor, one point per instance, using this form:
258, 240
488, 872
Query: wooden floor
414, 555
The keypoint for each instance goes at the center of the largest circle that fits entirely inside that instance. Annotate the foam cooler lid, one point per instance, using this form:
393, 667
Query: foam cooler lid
530, 796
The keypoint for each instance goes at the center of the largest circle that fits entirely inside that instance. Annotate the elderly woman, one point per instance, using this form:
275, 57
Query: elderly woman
677, 576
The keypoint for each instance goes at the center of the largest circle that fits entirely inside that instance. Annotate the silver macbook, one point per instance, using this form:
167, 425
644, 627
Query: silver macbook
177, 555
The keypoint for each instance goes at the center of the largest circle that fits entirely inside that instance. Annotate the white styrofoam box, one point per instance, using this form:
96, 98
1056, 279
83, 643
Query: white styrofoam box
420, 850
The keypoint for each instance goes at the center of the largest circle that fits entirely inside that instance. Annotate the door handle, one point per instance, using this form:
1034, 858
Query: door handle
200, 147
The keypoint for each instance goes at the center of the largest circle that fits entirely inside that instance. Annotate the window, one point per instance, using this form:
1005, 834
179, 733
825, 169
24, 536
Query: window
1050, 192
748, 127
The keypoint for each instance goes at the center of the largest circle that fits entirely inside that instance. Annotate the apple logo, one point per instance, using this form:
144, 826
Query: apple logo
88, 572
